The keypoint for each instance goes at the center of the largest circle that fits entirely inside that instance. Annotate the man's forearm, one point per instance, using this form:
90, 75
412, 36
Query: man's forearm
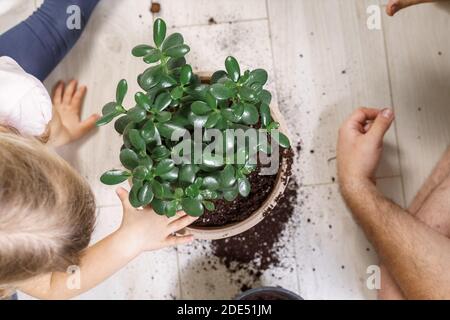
417, 257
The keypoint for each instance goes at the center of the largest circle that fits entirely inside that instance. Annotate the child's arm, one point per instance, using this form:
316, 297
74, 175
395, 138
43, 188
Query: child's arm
141, 230
66, 125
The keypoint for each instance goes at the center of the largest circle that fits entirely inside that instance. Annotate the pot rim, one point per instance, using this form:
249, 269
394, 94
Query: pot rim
288, 293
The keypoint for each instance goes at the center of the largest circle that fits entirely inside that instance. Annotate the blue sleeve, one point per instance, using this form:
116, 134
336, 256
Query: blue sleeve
40, 42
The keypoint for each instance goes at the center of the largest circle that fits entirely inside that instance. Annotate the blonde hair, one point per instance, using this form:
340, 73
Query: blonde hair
47, 211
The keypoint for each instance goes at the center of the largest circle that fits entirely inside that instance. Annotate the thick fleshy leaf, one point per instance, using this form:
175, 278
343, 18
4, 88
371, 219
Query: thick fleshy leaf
162, 101
250, 115
209, 205
171, 208
158, 189
187, 173
247, 94
145, 194
211, 183
192, 207
233, 69
231, 194
121, 123
227, 176
121, 91
159, 206
169, 130
141, 50
186, 75
258, 76
175, 63
196, 120
230, 115
178, 51
146, 161
175, 39
153, 56
211, 100
164, 166
148, 131
200, 108
217, 76
159, 31
136, 140
113, 177
265, 97
281, 139
142, 100
159, 153
170, 176
140, 173
133, 196
108, 108
244, 187
150, 78
213, 118
213, 161
220, 92
177, 93
129, 159
107, 118
265, 114
137, 114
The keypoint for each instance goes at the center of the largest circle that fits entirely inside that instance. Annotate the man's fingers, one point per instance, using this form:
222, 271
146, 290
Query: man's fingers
179, 215
381, 124
58, 90
69, 92
123, 196
179, 240
181, 223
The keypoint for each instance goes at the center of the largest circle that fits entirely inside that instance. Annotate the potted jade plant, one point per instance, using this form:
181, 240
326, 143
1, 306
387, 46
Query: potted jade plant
170, 170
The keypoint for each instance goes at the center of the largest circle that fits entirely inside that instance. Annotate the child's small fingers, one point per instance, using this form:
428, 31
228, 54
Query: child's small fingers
181, 223
179, 240
123, 196
78, 98
58, 90
69, 92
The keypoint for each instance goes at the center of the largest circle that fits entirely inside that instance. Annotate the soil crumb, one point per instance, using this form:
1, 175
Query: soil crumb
155, 7
212, 21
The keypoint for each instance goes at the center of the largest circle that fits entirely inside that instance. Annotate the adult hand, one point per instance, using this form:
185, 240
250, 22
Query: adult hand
360, 145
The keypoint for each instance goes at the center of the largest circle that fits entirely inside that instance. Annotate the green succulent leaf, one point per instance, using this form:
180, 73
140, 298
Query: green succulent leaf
143, 101
177, 93
281, 139
178, 51
159, 206
121, 91
186, 75
187, 173
159, 153
211, 183
108, 108
244, 187
129, 159
107, 118
227, 176
213, 118
158, 189
164, 166
220, 91
162, 101
133, 196
200, 108
159, 31
146, 161
257, 76
209, 205
121, 123
137, 114
148, 131
168, 130
141, 50
217, 76
171, 208
136, 140
145, 194
175, 63
231, 194
250, 115
211, 100
153, 56
170, 176
232, 66
265, 115
230, 115
113, 177
140, 173
163, 116
174, 40
247, 94
192, 207
150, 78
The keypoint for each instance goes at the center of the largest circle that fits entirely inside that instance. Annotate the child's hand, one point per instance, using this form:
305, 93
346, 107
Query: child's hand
145, 230
66, 125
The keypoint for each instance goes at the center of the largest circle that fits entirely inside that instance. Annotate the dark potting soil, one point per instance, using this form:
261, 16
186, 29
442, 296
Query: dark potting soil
256, 249
242, 208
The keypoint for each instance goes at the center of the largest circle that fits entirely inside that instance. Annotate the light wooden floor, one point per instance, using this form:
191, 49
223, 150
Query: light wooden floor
323, 62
